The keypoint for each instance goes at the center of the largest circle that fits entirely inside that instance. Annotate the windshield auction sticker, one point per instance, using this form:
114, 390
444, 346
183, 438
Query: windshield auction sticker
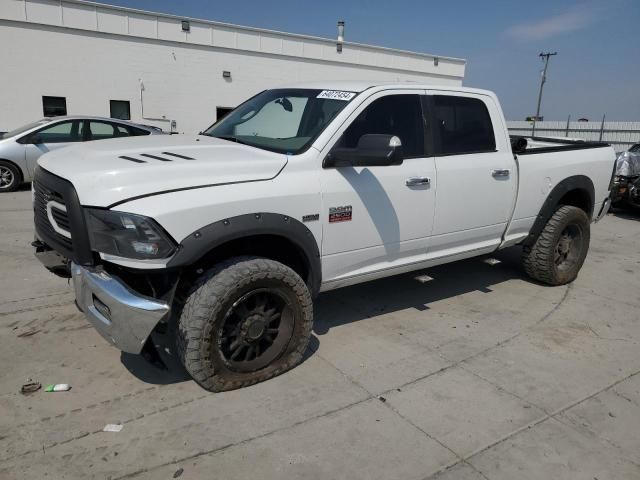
336, 95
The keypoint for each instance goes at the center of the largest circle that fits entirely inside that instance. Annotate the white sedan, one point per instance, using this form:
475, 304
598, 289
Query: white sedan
21, 148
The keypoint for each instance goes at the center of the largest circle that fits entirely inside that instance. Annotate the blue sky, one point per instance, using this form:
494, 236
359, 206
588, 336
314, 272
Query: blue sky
596, 71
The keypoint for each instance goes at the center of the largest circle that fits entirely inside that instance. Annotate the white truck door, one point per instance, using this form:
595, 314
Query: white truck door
477, 174
378, 217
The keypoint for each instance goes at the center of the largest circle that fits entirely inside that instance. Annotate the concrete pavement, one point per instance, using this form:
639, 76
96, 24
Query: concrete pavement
478, 374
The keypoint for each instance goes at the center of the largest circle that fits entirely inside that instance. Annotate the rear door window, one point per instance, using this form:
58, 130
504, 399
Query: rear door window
138, 131
122, 131
100, 131
462, 125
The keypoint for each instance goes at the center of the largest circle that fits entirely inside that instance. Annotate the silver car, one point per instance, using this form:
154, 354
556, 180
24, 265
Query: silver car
21, 148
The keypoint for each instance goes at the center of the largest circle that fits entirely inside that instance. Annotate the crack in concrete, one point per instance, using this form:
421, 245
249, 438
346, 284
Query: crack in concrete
553, 415
241, 442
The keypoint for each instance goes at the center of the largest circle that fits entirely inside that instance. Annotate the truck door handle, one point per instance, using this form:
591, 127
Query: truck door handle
414, 181
501, 173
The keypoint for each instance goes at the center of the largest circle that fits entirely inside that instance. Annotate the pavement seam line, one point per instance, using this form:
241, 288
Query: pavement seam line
582, 429
396, 412
486, 350
547, 417
242, 442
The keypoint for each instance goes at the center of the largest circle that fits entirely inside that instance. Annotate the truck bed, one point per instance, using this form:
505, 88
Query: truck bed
552, 144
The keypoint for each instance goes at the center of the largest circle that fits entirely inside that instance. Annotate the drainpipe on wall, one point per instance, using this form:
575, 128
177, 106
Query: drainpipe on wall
163, 119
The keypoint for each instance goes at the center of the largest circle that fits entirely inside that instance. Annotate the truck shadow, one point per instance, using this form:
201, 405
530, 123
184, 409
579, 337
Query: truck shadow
166, 369
401, 292
356, 303
628, 213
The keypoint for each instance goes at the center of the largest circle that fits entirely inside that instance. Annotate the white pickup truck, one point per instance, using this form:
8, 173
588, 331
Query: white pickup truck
222, 239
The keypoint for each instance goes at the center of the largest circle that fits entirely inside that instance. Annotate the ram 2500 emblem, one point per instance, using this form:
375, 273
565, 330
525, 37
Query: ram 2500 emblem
340, 214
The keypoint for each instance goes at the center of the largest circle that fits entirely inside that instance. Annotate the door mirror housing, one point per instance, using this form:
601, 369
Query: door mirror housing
373, 150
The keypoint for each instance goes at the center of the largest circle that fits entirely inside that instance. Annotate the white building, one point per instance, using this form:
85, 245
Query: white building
82, 57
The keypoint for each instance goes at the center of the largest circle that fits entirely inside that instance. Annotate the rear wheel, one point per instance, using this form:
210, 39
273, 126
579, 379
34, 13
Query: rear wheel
247, 320
557, 255
10, 177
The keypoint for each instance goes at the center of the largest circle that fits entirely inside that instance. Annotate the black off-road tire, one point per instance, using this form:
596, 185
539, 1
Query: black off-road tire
16, 177
539, 257
200, 326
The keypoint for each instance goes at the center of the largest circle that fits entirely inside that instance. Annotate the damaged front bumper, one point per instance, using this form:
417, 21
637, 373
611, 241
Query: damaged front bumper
123, 317
52, 260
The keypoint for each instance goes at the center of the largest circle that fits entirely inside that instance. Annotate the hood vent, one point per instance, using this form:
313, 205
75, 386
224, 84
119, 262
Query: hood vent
131, 159
178, 155
156, 157
148, 155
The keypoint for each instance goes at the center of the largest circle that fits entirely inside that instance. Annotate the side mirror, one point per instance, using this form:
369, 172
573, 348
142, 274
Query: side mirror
373, 150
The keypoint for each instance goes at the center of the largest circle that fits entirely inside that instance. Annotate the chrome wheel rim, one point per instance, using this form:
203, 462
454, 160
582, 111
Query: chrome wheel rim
6, 177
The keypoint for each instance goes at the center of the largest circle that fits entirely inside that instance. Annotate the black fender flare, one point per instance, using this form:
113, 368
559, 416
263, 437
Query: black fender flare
197, 244
576, 182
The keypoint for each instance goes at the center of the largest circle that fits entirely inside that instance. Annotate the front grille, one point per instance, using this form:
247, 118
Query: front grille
65, 231
42, 197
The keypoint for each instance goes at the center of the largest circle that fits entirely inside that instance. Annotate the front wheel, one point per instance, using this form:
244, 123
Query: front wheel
245, 321
557, 255
10, 177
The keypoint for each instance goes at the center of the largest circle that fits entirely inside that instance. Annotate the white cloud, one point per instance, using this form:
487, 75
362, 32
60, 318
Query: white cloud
569, 21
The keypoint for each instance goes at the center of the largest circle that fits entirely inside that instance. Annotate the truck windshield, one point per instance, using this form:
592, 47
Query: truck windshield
281, 120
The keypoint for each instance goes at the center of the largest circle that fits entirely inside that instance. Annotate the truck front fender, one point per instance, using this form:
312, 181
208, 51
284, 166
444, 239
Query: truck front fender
204, 240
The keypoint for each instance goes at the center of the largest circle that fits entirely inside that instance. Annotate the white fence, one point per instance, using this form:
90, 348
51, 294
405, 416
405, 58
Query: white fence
621, 135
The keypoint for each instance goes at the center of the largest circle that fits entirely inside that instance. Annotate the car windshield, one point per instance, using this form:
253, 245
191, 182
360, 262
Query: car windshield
281, 120
26, 127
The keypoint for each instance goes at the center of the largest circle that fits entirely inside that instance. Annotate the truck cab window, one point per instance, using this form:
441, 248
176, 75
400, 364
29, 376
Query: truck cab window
399, 115
462, 125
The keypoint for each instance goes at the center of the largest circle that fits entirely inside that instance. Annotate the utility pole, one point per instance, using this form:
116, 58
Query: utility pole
545, 59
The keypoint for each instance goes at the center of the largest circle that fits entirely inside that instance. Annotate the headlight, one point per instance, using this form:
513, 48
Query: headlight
127, 235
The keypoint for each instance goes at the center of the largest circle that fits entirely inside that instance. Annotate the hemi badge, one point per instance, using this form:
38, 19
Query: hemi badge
311, 218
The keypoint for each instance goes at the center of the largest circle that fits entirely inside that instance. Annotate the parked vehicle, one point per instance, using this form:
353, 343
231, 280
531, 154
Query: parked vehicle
224, 238
626, 184
21, 148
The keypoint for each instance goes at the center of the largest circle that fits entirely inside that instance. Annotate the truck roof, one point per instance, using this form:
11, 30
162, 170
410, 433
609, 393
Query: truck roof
360, 86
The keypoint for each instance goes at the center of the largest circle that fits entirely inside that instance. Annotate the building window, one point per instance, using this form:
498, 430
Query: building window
222, 112
120, 109
54, 106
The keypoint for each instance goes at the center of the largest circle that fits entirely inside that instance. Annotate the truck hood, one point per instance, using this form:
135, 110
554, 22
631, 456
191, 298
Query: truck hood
105, 172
